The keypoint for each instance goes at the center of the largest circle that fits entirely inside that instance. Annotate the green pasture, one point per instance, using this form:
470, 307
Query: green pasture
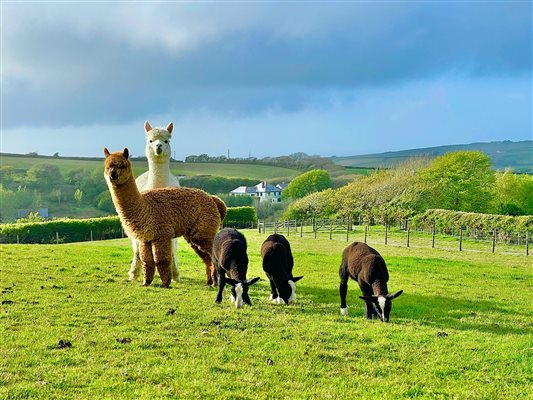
461, 330
259, 172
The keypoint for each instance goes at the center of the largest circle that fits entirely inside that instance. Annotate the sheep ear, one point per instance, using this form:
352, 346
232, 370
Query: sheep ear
170, 127
250, 282
394, 295
296, 278
372, 299
106, 152
230, 281
126, 153
147, 126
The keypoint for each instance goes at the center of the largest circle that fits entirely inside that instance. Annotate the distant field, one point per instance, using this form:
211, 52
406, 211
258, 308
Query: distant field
461, 330
516, 155
225, 170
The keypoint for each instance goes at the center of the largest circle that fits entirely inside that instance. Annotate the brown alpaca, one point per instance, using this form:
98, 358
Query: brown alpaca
157, 216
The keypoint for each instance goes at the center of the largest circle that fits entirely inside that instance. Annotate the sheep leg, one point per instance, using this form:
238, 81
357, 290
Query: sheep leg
135, 267
343, 289
174, 266
366, 289
273, 290
162, 250
147, 259
221, 284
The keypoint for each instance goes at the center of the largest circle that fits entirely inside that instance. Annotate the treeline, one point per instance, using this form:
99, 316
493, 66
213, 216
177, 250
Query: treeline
460, 181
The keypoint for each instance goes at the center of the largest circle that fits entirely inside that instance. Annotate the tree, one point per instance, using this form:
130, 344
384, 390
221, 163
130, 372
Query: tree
309, 182
78, 196
460, 181
45, 177
513, 194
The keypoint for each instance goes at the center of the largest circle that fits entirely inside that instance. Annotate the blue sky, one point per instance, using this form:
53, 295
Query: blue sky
264, 78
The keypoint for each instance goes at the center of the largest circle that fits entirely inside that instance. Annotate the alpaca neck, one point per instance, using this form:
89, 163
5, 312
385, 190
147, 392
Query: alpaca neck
379, 288
127, 200
158, 173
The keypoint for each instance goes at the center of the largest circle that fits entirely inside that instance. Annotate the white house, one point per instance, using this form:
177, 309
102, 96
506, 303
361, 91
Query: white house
265, 192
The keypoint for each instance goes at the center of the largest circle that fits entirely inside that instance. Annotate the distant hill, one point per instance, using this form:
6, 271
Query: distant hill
506, 154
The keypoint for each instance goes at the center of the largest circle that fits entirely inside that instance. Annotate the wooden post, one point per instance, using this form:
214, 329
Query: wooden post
527, 243
276, 226
518, 239
288, 227
366, 231
17, 239
386, 232
301, 227
330, 228
433, 235
348, 230
91, 235
493, 240
460, 239
408, 234
57, 238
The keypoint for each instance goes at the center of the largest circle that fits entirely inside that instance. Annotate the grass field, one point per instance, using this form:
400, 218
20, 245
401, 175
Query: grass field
251, 171
461, 330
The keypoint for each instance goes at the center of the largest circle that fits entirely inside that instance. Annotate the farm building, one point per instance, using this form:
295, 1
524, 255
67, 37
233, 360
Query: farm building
263, 190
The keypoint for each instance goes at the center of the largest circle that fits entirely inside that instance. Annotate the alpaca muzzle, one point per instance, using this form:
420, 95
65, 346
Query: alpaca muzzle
113, 175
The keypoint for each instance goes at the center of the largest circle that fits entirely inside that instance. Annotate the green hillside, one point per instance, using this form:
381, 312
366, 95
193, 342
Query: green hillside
67, 164
506, 154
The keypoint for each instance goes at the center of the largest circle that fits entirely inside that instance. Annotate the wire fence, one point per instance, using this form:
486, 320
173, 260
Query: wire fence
401, 234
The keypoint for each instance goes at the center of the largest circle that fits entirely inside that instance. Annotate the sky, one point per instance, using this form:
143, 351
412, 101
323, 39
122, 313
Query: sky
266, 78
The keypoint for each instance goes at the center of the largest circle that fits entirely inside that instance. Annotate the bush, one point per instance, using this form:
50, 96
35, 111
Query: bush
240, 217
309, 182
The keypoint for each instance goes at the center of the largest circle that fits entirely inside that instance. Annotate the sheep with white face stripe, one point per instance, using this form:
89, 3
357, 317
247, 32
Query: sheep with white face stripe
365, 265
278, 264
229, 257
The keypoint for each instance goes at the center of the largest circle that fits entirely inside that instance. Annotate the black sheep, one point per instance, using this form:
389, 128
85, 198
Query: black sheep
229, 257
365, 265
278, 264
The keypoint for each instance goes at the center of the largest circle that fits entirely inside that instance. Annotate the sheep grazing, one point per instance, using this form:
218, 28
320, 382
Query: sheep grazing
365, 265
278, 264
158, 153
156, 216
229, 257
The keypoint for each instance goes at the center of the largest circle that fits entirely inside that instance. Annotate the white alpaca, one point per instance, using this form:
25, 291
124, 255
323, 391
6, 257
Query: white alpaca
158, 175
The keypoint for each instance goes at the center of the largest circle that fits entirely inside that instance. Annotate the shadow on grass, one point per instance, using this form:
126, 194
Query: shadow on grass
438, 311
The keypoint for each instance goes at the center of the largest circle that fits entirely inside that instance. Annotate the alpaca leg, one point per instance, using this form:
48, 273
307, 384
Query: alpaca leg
135, 267
174, 265
162, 250
147, 259
209, 267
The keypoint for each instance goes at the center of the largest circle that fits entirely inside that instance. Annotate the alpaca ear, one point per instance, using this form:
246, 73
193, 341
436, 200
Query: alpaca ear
394, 295
296, 278
147, 126
231, 282
250, 282
106, 152
126, 153
170, 127
372, 299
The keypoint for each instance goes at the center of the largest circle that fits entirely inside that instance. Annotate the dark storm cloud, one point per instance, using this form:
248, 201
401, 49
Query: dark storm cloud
282, 57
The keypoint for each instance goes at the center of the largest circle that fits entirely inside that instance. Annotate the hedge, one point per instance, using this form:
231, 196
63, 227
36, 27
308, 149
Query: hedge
446, 219
79, 230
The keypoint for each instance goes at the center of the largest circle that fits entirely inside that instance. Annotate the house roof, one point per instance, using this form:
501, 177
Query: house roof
261, 187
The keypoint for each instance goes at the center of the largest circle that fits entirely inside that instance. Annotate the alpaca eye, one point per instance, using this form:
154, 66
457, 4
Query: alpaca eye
151, 141
166, 141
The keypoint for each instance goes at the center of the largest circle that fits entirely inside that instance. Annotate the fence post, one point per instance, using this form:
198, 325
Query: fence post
288, 227
348, 229
460, 239
276, 226
91, 235
518, 239
17, 239
527, 243
57, 238
330, 228
301, 227
386, 232
433, 235
366, 231
493, 239
408, 234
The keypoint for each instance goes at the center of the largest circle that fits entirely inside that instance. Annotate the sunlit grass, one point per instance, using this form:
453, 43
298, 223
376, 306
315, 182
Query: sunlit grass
462, 328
